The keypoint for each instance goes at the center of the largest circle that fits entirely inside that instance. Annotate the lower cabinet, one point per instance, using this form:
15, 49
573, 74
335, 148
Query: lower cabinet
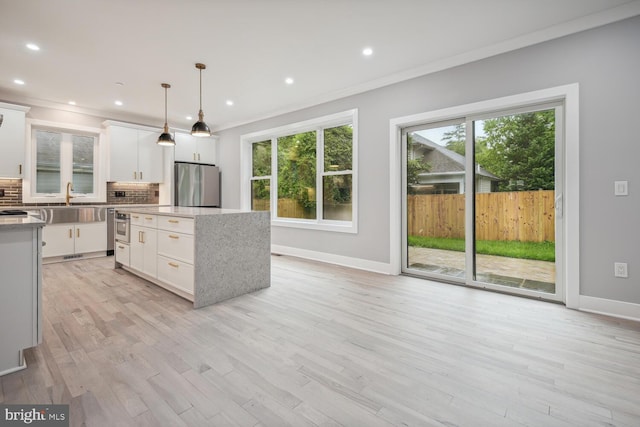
143, 250
176, 273
122, 253
70, 239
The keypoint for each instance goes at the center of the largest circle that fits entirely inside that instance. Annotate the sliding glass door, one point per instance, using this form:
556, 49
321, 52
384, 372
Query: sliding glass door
480, 198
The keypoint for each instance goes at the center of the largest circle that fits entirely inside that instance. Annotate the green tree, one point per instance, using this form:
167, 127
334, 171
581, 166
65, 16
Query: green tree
456, 139
520, 150
338, 156
415, 166
297, 168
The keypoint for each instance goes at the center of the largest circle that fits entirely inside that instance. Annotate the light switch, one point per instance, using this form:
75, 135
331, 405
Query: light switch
621, 188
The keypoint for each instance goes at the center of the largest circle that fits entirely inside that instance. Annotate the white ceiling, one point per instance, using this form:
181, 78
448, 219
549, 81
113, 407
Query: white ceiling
250, 46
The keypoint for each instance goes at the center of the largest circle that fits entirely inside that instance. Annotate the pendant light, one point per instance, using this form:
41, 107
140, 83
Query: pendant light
165, 137
200, 128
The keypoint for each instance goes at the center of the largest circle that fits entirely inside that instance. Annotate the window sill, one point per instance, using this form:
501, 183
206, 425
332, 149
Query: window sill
333, 226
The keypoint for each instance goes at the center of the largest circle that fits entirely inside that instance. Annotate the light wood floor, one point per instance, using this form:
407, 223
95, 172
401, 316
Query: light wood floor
324, 346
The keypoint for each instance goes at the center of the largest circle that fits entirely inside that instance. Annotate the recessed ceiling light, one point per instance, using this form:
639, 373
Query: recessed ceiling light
288, 81
229, 102
118, 103
72, 102
33, 46
189, 118
18, 82
367, 51
119, 83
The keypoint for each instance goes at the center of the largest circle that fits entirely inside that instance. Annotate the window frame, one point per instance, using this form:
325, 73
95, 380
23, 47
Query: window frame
30, 194
349, 117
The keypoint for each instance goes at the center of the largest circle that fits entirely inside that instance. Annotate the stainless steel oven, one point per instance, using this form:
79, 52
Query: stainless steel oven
122, 228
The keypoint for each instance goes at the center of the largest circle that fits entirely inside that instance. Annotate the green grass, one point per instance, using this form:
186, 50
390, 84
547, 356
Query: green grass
542, 251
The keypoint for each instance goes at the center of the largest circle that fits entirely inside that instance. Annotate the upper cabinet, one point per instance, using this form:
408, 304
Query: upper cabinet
134, 155
195, 149
12, 140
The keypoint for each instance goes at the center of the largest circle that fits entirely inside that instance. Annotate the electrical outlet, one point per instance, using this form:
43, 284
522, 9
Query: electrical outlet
620, 269
120, 194
621, 188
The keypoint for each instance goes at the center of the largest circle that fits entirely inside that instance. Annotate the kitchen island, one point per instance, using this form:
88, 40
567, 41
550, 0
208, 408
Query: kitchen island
20, 289
205, 255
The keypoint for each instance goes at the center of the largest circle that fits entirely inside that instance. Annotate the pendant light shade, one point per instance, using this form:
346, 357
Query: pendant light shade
200, 128
165, 137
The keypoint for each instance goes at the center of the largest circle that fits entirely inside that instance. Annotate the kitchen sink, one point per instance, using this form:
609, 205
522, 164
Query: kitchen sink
73, 214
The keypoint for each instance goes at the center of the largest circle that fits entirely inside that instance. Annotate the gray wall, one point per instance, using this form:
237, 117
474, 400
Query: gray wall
605, 62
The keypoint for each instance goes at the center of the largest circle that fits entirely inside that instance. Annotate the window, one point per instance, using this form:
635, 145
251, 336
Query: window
59, 155
304, 173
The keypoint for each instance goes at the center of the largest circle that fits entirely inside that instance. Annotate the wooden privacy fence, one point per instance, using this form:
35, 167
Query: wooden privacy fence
527, 216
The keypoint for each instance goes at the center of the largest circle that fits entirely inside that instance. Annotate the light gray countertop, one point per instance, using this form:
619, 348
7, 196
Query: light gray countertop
182, 211
12, 222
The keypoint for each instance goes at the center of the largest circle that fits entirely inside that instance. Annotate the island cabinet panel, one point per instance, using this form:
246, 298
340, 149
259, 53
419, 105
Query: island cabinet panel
178, 246
143, 249
122, 253
176, 273
177, 224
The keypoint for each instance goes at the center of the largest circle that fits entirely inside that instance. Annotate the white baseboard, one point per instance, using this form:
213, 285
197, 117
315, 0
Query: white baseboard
345, 261
621, 309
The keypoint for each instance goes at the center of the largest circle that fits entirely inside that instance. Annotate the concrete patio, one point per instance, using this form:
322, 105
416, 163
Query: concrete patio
512, 272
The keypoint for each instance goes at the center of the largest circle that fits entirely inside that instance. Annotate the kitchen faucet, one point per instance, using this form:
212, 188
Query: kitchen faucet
69, 196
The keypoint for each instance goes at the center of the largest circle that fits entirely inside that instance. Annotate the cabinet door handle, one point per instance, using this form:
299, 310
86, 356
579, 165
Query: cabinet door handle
198, 156
194, 156
135, 216
173, 264
70, 233
148, 218
120, 247
20, 169
172, 236
140, 175
135, 175
77, 232
173, 221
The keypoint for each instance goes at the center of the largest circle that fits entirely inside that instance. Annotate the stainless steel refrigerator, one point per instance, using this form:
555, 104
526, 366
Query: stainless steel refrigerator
196, 185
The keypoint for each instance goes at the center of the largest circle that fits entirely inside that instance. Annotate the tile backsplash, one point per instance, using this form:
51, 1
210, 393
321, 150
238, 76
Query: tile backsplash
134, 193
12, 192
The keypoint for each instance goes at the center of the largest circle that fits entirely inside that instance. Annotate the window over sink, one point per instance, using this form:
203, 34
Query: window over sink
59, 154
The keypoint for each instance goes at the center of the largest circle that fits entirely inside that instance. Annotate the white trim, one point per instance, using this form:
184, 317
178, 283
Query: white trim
15, 107
108, 123
609, 307
345, 261
567, 94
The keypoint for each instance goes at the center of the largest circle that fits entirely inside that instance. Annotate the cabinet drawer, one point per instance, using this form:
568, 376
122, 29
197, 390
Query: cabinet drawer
176, 273
145, 220
177, 224
176, 245
122, 253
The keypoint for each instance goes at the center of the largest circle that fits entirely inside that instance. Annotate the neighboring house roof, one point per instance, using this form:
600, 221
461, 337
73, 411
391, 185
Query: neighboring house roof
441, 159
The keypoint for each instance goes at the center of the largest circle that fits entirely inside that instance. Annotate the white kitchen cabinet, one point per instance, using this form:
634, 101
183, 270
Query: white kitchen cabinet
190, 148
90, 237
176, 273
71, 239
143, 250
122, 253
134, 155
58, 240
12, 140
